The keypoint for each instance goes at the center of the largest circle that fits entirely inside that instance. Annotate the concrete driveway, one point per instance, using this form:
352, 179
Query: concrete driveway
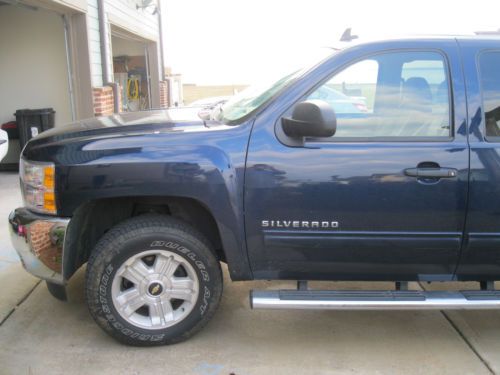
40, 335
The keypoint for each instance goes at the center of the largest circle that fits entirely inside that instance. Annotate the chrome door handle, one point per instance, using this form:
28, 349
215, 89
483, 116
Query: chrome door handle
431, 172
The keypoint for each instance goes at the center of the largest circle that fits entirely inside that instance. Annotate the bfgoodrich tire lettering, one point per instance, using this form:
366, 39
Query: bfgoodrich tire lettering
152, 236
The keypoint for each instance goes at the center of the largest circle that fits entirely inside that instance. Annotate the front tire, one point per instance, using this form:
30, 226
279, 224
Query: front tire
152, 280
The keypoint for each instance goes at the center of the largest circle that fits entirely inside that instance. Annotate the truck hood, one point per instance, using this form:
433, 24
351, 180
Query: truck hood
125, 131
168, 120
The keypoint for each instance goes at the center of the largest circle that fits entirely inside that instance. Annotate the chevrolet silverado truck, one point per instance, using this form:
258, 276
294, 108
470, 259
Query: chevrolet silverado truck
380, 162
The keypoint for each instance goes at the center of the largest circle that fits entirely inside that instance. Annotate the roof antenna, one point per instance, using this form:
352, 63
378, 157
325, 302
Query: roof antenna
347, 36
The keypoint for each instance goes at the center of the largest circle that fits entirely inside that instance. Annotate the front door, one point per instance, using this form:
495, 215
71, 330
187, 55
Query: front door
385, 197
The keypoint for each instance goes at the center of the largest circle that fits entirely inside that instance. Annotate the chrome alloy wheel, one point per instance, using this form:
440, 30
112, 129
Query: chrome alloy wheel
155, 289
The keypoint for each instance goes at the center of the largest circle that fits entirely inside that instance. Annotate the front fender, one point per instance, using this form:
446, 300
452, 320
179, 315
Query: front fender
206, 167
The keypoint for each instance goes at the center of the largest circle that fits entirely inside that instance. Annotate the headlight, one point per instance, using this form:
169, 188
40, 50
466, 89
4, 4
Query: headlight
37, 183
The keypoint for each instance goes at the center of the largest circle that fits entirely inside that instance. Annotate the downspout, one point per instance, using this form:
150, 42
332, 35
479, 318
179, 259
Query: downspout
160, 30
103, 37
105, 55
69, 67
148, 77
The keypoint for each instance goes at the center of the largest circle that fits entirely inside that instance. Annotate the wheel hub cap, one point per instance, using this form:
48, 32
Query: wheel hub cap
155, 289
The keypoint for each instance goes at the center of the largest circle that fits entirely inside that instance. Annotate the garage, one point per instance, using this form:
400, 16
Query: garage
33, 65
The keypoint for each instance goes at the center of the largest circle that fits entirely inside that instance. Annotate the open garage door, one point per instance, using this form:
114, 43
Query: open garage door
132, 67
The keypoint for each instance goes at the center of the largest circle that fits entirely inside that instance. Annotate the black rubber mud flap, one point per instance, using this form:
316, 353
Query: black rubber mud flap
58, 291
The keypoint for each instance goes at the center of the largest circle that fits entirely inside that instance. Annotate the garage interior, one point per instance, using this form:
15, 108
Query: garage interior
131, 70
34, 58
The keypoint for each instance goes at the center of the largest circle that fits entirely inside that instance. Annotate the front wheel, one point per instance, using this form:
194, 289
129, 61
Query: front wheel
152, 280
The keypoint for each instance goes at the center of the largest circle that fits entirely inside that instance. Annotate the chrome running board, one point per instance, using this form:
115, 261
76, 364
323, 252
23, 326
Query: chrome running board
373, 300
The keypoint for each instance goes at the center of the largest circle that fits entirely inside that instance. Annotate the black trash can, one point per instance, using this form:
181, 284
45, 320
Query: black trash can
31, 122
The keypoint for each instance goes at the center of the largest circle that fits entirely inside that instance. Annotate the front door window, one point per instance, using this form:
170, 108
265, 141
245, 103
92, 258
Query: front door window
403, 94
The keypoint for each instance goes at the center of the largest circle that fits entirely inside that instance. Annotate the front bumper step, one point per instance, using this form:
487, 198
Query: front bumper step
39, 242
373, 300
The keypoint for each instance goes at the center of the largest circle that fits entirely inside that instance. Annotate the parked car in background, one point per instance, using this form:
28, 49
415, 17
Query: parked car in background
340, 102
4, 144
208, 105
210, 102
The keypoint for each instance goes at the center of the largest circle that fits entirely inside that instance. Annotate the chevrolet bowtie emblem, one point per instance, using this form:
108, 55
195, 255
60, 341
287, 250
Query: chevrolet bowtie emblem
155, 289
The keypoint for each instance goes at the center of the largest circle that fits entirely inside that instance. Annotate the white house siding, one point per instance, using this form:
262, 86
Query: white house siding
94, 43
123, 13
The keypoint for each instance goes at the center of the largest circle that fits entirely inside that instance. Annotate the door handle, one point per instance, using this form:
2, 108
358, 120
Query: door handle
431, 172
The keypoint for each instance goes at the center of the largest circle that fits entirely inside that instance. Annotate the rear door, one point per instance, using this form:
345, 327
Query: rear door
481, 256
384, 198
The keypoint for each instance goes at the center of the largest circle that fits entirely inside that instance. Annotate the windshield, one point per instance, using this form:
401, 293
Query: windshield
255, 96
251, 98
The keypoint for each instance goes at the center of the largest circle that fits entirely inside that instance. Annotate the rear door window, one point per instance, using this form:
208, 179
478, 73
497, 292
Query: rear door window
489, 70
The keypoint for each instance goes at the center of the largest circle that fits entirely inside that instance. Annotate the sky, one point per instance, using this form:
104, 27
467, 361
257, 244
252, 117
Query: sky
215, 42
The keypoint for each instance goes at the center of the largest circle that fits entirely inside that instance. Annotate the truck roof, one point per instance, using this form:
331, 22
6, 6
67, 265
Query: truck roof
481, 36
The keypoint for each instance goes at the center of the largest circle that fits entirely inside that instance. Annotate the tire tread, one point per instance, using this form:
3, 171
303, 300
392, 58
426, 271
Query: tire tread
129, 229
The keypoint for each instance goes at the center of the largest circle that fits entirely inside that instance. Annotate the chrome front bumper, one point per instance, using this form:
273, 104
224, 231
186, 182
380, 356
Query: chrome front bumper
39, 242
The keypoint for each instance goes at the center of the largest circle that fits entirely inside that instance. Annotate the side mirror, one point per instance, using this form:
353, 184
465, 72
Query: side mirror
310, 118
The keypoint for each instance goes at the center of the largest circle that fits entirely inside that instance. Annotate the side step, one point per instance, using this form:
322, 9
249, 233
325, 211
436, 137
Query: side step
372, 300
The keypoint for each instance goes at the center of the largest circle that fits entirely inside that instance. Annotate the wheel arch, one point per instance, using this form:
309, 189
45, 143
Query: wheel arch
93, 219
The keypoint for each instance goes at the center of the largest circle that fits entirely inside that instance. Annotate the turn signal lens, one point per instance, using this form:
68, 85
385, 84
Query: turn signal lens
48, 177
49, 202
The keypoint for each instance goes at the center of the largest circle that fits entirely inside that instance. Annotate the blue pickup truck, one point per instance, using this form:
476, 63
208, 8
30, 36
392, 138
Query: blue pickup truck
380, 162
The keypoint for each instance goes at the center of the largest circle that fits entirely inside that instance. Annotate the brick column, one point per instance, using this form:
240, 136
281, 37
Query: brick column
163, 94
120, 99
103, 101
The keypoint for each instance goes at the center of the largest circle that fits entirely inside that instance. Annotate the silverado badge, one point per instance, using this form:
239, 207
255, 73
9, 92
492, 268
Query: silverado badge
299, 224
